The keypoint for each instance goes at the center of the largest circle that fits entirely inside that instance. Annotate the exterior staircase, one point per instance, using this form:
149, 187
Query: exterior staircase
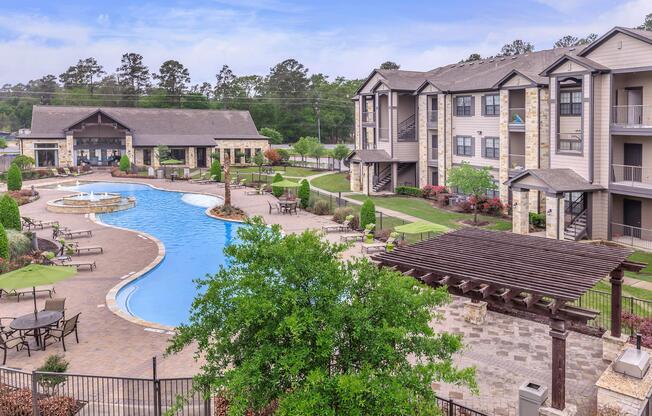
385, 176
407, 129
576, 230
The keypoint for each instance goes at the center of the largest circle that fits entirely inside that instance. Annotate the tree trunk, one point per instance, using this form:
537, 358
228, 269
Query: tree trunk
227, 180
475, 214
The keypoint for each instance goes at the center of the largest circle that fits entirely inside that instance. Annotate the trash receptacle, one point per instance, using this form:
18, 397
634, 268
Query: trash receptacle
531, 396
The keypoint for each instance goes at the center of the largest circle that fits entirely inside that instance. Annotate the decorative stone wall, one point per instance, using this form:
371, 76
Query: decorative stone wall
139, 157
423, 140
66, 157
445, 136
532, 138
129, 147
520, 212
503, 163
475, 312
191, 157
544, 128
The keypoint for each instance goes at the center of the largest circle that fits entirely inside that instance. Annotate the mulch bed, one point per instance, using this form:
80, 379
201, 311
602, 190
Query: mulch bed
47, 245
24, 196
229, 213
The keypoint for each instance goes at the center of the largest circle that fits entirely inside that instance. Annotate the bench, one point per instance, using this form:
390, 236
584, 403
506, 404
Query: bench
351, 237
77, 233
88, 249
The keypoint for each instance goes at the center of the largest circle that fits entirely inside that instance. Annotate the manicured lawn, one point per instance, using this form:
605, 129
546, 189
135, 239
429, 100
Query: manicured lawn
646, 273
335, 182
290, 171
421, 208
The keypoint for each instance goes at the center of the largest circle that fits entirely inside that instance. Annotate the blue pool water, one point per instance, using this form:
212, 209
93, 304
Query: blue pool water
194, 245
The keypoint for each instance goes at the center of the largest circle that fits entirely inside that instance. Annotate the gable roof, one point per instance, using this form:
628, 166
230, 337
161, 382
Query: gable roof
554, 181
150, 126
585, 62
510, 75
642, 35
369, 156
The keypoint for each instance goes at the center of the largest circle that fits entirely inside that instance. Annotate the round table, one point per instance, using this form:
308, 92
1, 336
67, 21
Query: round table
31, 322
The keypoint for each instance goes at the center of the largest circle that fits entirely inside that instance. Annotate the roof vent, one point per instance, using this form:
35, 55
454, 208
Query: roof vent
633, 361
502, 59
572, 49
514, 57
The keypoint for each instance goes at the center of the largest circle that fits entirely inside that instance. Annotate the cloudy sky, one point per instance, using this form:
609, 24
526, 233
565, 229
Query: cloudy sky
336, 37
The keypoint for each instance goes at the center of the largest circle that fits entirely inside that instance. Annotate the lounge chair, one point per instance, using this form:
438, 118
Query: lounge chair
274, 207
69, 173
34, 223
203, 179
79, 264
259, 191
76, 233
87, 249
60, 332
339, 228
8, 342
39, 289
55, 172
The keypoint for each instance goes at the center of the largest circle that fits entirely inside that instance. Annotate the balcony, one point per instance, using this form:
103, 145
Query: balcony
633, 236
383, 134
632, 116
517, 119
368, 118
569, 142
634, 176
432, 119
433, 153
516, 164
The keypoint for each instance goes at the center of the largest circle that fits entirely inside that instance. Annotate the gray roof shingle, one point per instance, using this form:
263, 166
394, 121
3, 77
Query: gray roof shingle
151, 126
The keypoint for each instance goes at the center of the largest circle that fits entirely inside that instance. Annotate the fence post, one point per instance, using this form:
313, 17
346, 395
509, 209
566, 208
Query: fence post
381, 220
631, 311
35, 410
157, 390
339, 198
450, 407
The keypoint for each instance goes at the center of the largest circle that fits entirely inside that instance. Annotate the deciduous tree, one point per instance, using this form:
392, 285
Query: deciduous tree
472, 181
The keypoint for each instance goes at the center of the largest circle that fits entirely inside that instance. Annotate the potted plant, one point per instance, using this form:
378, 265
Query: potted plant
369, 233
390, 242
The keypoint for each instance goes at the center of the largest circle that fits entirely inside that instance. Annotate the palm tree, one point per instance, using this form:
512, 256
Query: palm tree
227, 181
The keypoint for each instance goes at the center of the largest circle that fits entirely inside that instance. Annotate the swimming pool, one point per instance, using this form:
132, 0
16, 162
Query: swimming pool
194, 245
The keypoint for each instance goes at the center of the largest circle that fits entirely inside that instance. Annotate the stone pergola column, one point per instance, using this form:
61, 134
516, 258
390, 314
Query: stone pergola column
555, 216
394, 176
520, 211
129, 147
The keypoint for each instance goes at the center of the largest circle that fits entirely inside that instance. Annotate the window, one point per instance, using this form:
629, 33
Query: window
463, 106
434, 140
147, 157
464, 146
178, 154
491, 148
570, 103
247, 155
492, 105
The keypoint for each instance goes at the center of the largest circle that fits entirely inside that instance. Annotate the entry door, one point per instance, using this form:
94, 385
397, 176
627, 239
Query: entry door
632, 217
634, 106
201, 157
435, 176
633, 160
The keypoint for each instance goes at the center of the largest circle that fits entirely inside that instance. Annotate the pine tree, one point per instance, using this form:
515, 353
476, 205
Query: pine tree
9, 213
14, 178
304, 193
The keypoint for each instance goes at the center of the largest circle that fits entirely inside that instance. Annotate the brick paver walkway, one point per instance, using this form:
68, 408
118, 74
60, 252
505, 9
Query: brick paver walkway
506, 351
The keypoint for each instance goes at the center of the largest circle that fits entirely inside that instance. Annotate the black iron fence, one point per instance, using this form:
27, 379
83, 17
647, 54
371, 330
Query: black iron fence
107, 395
450, 408
600, 301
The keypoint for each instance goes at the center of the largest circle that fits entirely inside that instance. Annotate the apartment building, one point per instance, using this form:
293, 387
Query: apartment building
565, 131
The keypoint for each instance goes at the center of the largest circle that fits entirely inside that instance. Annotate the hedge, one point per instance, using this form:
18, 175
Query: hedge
277, 191
216, 170
409, 190
4, 244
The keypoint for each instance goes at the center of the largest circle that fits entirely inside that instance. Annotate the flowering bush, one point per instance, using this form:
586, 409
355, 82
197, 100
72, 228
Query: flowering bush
432, 191
640, 325
489, 206
273, 156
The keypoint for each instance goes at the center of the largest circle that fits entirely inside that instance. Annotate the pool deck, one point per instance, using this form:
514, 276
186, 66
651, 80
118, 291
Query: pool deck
506, 353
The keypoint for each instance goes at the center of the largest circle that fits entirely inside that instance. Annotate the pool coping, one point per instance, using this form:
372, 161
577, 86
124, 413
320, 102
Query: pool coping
111, 296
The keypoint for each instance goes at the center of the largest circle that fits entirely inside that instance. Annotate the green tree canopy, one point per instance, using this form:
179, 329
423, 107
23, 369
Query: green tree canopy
389, 65
647, 23
274, 136
216, 170
288, 320
304, 146
4, 243
367, 213
517, 47
125, 164
304, 193
133, 74
569, 41
340, 152
472, 181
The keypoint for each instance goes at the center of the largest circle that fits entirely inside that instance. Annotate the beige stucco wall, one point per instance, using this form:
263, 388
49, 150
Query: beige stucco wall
646, 210
63, 153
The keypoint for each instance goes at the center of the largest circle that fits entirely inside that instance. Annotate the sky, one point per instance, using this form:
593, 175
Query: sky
337, 37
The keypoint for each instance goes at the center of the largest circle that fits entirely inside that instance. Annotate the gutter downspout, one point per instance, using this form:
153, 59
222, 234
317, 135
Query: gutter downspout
591, 150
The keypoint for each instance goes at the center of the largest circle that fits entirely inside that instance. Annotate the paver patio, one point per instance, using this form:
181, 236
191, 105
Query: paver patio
506, 350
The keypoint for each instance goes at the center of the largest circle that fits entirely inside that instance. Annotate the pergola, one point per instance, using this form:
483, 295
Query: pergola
520, 273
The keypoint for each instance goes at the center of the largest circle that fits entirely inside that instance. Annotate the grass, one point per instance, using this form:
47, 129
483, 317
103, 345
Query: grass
335, 182
422, 209
290, 171
646, 273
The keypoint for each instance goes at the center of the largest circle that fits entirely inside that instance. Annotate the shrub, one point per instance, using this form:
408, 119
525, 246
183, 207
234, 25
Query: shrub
304, 193
58, 406
277, 191
639, 325
484, 205
321, 207
341, 214
273, 156
432, 191
216, 170
19, 243
4, 244
538, 220
14, 178
16, 402
284, 154
125, 164
409, 190
23, 162
9, 213
367, 213
54, 364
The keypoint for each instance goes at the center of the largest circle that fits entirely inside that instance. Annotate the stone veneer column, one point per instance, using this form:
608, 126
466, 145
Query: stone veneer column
422, 146
357, 131
555, 216
532, 138
503, 163
355, 177
520, 211
129, 147
192, 157
544, 128
444, 136
68, 158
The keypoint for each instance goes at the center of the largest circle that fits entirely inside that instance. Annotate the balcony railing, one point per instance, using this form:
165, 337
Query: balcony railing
433, 153
383, 134
516, 162
569, 142
368, 117
432, 118
637, 176
634, 236
634, 116
517, 117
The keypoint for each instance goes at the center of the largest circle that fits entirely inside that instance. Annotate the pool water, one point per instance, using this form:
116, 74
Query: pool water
194, 245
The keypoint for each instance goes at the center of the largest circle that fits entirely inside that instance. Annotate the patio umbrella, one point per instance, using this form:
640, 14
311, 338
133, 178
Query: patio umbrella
34, 275
421, 227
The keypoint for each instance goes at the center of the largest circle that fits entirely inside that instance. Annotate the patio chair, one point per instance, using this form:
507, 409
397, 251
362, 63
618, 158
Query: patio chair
12, 341
56, 305
69, 173
4, 325
274, 207
55, 172
60, 332
374, 247
345, 226
76, 233
87, 249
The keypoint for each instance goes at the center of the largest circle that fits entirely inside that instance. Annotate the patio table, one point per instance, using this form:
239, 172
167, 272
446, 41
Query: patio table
31, 322
288, 206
